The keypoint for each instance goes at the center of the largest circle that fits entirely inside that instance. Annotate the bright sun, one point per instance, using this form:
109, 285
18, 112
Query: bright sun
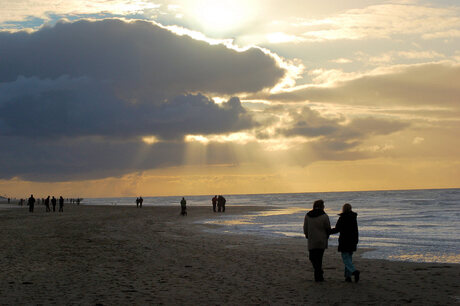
220, 16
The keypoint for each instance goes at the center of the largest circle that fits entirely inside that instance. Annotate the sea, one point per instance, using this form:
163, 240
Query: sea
400, 225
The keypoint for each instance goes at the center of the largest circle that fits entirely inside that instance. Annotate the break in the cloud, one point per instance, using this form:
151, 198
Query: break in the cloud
426, 84
94, 89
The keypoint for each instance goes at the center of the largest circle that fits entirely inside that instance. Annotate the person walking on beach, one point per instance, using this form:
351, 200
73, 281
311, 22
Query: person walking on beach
214, 203
53, 202
31, 203
141, 200
347, 226
61, 204
137, 202
316, 228
47, 204
183, 207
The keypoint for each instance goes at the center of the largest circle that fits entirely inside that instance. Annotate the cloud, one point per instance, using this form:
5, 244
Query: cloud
20, 10
77, 99
432, 84
310, 123
141, 59
66, 107
82, 158
418, 140
384, 21
321, 137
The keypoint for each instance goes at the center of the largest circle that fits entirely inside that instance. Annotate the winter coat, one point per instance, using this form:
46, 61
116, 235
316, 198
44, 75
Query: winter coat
316, 228
347, 226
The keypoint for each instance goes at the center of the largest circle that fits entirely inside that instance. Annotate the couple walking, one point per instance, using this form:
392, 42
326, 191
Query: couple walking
317, 229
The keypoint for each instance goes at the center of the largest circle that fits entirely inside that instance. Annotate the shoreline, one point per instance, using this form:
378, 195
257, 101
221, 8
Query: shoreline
91, 255
236, 210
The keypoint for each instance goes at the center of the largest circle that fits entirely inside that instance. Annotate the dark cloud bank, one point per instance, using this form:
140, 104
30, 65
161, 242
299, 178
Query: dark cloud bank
76, 98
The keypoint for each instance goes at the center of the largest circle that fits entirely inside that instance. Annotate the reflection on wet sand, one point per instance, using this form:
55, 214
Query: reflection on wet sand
427, 257
250, 218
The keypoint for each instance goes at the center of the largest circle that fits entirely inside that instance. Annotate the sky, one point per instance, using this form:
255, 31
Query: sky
103, 98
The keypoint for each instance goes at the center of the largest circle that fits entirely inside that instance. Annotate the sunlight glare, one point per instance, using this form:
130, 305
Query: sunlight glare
149, 140
220, 16
240, 138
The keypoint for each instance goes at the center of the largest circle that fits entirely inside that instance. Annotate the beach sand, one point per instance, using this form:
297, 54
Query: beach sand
127, 256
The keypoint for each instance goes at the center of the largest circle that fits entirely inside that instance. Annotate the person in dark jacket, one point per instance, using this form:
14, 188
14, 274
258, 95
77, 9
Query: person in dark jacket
214, 203
316, 228
31, 203
53, 202
61, 204
47, 204
183, 207
347, 226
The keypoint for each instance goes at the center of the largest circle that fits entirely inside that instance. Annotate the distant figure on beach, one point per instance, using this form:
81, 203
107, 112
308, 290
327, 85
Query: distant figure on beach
47, 204
53, 202
137, 202
183, 207
9, 200
61, 204
214, 203
31, 203
78, 201
141, 200
221, 203
316, 228
347, 226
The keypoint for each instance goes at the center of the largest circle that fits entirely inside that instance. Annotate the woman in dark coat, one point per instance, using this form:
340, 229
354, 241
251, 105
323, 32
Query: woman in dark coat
347, 226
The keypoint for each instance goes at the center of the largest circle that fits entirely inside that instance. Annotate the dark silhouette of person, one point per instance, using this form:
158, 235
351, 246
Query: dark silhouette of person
53, 202
219, 203
47, 204
9, 200
61, 204
316, 228
78, 201
183, 207
223, 203
137, 202
214, 203
31, 203
347, 226
141, 200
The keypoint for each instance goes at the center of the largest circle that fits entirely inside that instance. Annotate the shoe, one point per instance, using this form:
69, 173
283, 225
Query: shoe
348, 279
356, 274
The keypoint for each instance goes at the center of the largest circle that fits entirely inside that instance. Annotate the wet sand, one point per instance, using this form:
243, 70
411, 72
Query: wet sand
127, 256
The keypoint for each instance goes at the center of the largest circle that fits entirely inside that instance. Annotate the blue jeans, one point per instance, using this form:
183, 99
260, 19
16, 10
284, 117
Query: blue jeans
347, 258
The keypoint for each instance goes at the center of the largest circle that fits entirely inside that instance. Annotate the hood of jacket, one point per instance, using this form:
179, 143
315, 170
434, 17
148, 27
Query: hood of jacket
315, 213
349, 214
